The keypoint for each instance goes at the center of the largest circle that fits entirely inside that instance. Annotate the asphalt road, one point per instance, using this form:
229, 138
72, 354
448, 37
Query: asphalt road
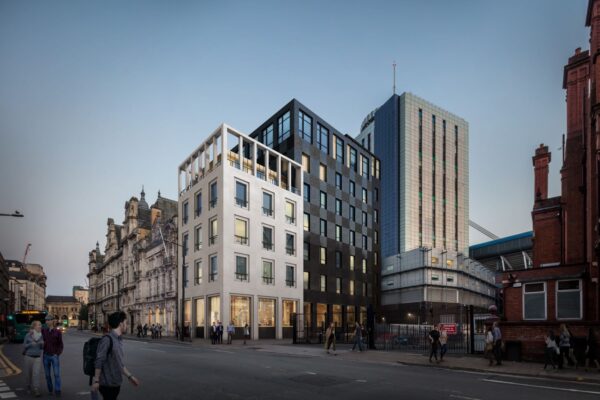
172, 371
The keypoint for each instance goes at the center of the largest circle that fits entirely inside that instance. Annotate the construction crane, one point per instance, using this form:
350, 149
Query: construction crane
481, 229
26, 252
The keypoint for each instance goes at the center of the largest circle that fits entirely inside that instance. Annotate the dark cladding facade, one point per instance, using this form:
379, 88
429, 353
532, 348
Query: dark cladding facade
341, 220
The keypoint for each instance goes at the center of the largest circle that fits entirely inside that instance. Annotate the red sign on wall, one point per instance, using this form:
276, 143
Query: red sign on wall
449, 328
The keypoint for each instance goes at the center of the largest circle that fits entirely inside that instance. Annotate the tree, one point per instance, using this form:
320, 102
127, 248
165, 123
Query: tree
83, 312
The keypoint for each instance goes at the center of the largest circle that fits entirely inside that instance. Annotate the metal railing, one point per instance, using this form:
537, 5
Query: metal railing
241, 239
268, 280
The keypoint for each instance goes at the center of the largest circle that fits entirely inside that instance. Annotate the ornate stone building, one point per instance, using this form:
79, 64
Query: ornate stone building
27, 285
134, 275
65, 308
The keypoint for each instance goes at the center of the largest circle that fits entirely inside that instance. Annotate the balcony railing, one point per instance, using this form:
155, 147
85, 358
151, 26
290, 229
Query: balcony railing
268, 280
267, 245
213, 202
240, 276
197, 246
212, 239
241, 239
290, 283
241, 202
290, 220
267, 211
213, 277
290, 251
198, 211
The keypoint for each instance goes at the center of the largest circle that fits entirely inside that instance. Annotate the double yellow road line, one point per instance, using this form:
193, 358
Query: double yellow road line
6, 365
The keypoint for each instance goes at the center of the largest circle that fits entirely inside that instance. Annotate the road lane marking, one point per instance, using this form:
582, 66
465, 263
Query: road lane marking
9, 395
541, 387
507, 375
456, 396
361, 381
311, 373
7, 362
224, 351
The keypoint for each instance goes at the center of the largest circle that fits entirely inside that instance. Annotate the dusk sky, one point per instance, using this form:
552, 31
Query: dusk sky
100, 98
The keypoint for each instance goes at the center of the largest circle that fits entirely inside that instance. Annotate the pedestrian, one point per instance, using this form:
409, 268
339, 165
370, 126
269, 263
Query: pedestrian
53, 348
178, 332
145, 329
153, 331
565, 347
357, 337
139, 330
33, 345
497, 343
110, 366
591, 350
434, 339
159, 331
246, 333
330, 338
443, 342
551, 349
214, 333
489, 345
220, 331
230, 332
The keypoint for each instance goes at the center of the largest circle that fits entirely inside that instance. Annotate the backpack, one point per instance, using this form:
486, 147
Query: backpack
90, 350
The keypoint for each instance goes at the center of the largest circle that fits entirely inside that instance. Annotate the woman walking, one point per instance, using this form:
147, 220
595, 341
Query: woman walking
551, 349
565, 347
357, 337
443, 342
330, 338
489, 345
32, 349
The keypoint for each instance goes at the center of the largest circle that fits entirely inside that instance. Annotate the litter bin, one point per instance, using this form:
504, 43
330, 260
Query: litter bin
512, 351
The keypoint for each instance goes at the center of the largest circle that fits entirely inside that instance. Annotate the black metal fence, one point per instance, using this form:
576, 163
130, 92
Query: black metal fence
415, 338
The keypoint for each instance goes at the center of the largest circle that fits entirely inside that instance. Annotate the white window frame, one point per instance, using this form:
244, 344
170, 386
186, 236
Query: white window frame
580, 299
545, 301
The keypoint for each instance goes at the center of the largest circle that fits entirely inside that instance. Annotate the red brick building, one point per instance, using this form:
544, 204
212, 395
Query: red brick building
562, 285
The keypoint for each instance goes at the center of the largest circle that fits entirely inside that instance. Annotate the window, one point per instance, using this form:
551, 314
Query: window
339, 149
307, 192
338, 259
323, 255
240, 311
185, 275
198, 205
241, 231
364, 266
305, 126
305, 163
185, 245
306, 251
241, 194
266, 313
290, 276
267, 274
283, 123
338, 207
353, 159
534, 301
323, 172
214, 195
375, 216
338, 233
364, 288
241, 268
375, 237
323, 227
323, 200
288, 309
351, 288
185, 213
214, 269
338, 180
267, 204
352, 188
198, 238
364, 196
352, 238
214, 231
338, 285
268, 136
267, 238
376, 194
289, 244
568, 299
322, 138
365, 166
306, 222
306, 280
364, 218
290, 212
364, 242
198, 272
352, 213
323, 283
351, 263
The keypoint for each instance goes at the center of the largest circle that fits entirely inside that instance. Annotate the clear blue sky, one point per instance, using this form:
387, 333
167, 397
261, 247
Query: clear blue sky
98, 98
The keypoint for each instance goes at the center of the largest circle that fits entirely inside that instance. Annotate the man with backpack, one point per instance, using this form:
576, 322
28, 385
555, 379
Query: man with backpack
109, 365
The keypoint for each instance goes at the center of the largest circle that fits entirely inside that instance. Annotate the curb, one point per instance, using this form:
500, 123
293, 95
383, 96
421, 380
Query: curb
500, 372
9, 365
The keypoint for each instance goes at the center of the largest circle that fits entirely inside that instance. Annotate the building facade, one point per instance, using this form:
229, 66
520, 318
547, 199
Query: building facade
5, 296
137, 272
562, 286
27, 285
425, 188
341, 215
240, 230
65, 309
81, 294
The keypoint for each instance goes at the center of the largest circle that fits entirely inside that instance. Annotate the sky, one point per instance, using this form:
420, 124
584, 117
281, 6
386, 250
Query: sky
98, 98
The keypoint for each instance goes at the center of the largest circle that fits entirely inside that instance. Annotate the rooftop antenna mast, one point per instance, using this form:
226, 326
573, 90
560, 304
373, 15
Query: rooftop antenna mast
394, 66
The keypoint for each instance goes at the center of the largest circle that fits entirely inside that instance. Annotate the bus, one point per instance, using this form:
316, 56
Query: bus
20, 322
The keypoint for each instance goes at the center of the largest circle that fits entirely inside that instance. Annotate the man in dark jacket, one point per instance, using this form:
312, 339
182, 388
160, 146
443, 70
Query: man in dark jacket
53, 348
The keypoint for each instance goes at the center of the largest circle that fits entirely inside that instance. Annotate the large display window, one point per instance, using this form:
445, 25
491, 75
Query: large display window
240, 311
